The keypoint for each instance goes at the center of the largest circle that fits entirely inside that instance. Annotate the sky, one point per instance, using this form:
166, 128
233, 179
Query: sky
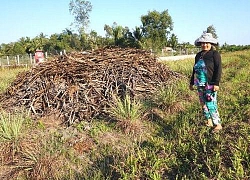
30, 18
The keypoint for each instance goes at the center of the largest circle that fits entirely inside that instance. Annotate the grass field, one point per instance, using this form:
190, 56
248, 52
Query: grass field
164, 138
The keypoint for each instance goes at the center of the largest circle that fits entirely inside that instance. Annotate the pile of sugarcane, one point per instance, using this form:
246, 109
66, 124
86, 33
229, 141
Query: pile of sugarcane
79, 86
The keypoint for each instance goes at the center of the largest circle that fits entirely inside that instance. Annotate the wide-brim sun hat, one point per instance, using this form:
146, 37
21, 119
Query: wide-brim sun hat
206, 37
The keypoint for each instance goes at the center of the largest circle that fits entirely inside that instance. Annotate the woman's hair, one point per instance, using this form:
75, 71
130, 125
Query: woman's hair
213, 47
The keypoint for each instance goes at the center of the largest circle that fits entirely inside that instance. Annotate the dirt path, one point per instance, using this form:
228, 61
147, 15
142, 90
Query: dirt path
175, 58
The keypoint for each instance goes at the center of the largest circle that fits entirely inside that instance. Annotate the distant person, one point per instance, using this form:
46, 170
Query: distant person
206, 76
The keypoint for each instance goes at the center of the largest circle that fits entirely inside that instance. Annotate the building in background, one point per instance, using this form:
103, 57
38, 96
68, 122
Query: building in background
39, 56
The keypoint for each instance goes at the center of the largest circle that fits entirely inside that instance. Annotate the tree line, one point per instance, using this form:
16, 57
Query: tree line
154, 34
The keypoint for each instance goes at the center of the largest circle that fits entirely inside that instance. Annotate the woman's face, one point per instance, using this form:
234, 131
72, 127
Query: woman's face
206, 46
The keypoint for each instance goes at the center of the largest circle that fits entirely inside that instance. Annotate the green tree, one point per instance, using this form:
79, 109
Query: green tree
27, 44
54, 45
211, 29
136, 38
85, 41
39, 41
94, 40
173, 41
67, 31
70, 40
80, 9
6, 49
116, 33
18, 49
13, 48
156, 27
75, 43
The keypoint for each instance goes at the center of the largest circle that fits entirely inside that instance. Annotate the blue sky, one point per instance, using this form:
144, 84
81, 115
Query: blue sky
29, 18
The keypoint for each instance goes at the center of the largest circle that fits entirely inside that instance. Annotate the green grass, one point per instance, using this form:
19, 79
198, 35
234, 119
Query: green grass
125, 109
173, 142
7, 76
10, 126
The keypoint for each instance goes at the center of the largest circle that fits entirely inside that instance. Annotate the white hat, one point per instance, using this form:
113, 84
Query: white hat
206, 37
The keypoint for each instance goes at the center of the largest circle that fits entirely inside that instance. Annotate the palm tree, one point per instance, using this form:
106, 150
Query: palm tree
173, 41
26, 42
116, 32
67, 31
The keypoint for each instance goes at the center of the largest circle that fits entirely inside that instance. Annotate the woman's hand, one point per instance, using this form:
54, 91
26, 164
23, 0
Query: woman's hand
216, 88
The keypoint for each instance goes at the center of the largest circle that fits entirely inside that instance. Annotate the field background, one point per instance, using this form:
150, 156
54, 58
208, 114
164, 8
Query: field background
165, 139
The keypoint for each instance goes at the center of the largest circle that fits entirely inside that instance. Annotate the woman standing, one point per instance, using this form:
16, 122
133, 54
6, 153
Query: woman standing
206, 76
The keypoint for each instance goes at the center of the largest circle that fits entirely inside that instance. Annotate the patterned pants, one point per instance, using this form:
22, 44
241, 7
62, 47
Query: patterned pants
208, 100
